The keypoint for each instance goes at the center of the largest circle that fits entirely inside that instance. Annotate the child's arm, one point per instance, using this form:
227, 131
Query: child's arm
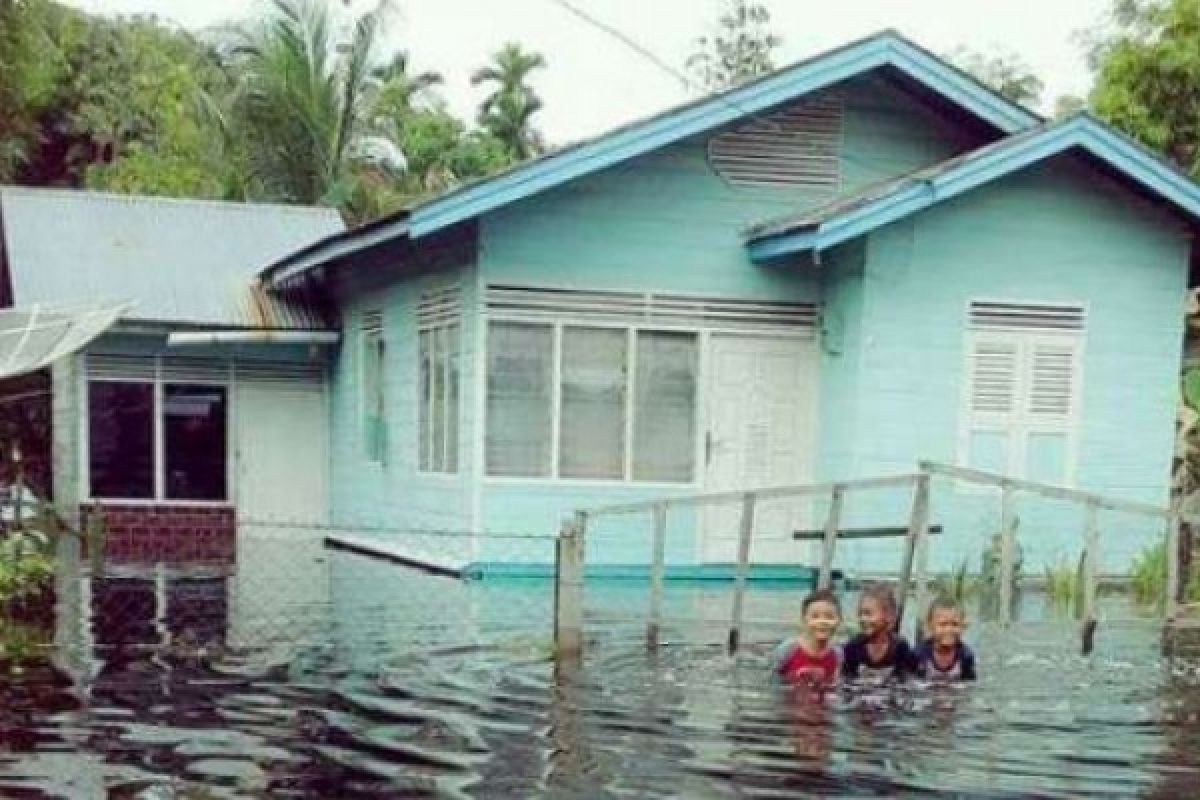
851, 658
780, 654
907, 660
968, 664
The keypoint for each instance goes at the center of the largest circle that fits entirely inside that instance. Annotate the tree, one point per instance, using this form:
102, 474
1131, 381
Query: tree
507, 112
397, 91
31, 71
1067, 104
738, 50
1148, 76
1005, 73
299, 111
134, 110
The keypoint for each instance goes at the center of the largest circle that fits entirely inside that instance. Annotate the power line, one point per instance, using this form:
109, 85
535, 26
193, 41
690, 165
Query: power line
628, 41
662, 64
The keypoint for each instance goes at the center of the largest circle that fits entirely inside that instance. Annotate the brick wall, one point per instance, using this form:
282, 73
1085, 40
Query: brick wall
143, 534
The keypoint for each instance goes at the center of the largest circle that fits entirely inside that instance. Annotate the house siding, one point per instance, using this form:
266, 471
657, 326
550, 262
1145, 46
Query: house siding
395, 494
145, 531
666, 222
1061, 233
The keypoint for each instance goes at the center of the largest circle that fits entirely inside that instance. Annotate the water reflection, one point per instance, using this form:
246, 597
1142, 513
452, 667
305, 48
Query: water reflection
303, 672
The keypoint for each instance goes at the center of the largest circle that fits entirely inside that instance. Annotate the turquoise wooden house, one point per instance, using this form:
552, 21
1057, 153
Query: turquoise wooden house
857, 261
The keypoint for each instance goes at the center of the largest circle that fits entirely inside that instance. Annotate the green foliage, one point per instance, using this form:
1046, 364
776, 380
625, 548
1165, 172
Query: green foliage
298, 113
1148, 76
959, 586
739, 49
1005, 73
273, 110
1064, 587
25, 567
507, 112
21, 643
1149, 578
1191, 388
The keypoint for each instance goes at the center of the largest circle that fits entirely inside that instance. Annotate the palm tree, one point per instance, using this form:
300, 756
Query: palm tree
397, 91
507, 111
300, 110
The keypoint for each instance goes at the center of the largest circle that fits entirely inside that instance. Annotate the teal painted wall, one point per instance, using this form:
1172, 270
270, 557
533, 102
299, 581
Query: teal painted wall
666, 222
1060, 232
395, 495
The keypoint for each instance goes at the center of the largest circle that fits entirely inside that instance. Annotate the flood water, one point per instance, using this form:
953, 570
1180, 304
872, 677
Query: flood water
319, 673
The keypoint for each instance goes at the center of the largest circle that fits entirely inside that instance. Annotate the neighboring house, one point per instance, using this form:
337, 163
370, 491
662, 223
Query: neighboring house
852, 263
207, 400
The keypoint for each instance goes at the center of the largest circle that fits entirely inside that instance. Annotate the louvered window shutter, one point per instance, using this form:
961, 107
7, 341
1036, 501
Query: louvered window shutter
1021, 403
994, 377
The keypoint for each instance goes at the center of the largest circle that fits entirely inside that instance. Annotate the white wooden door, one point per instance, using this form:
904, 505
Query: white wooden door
281, 452
760, 411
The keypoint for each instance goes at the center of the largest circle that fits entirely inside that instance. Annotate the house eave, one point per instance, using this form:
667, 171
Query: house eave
939, 183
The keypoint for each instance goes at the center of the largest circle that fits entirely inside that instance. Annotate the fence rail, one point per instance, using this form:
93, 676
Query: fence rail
913, 565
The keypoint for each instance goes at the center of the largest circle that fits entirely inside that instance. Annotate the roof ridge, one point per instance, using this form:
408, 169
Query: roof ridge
240, 206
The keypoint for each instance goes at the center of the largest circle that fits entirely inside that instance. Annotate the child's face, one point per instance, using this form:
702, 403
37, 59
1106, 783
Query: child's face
873, 619
821, 620
946, 626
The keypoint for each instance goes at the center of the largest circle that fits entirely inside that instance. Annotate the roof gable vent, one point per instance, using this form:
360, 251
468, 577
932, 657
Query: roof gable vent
796, 147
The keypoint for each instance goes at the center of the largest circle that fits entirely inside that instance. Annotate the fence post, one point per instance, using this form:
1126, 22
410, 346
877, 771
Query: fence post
918, 528
832, 524
743, 557
1091, 562
1172, 602
656, 575
1008, 567
922, 585
568, 588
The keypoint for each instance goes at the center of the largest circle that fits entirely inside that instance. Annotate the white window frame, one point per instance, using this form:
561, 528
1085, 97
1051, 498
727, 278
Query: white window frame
450, 412
1018, 424
631, 330
367, 335
158, 382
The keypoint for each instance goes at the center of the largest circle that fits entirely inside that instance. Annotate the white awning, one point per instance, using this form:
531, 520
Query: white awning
35, 337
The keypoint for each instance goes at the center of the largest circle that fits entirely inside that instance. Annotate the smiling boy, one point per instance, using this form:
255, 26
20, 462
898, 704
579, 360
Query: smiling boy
943, 656
811, 657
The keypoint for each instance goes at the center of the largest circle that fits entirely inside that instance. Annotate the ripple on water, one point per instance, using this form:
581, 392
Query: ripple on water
376, 700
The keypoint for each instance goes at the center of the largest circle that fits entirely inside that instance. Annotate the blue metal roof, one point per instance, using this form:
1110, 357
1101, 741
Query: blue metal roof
887, 49
844, 219
178, 261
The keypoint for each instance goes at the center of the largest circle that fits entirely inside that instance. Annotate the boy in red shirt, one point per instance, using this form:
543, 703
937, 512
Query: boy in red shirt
810, 657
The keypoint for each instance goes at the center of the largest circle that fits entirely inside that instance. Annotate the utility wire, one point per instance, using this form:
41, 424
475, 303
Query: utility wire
628, 41
665, 66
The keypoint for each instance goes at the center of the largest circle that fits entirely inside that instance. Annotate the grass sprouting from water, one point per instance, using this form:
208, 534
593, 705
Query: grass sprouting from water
1064, 586
1149, 575
1149, 578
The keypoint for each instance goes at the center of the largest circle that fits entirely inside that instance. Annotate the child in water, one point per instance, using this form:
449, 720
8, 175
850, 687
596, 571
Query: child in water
811, 657
877, 653
943, 656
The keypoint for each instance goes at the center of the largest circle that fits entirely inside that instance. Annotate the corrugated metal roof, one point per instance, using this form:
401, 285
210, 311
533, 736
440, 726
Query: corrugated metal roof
186, 261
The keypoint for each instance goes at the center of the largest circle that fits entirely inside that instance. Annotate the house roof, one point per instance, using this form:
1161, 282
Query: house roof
177, 261
846, 218
887, 49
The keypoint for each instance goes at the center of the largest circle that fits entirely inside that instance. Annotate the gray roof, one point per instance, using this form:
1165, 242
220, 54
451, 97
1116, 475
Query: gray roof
812, 218
181, 261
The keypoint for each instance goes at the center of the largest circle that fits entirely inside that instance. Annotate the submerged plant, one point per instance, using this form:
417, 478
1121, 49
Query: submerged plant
1149, 575
1148, 580
960, 585
1064, 586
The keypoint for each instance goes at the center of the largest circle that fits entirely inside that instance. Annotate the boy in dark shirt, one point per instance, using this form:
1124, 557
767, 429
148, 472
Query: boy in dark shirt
943, 656
877, 654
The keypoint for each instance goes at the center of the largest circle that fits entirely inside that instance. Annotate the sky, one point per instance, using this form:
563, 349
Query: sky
594, 82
